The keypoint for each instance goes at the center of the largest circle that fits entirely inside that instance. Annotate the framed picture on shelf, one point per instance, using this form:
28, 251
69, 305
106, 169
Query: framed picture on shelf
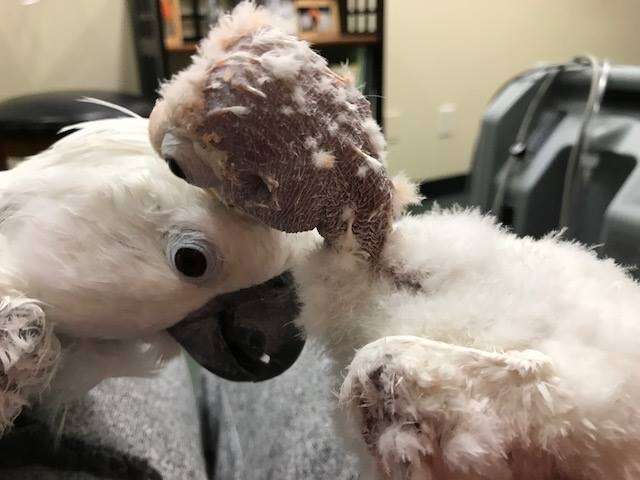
317, 19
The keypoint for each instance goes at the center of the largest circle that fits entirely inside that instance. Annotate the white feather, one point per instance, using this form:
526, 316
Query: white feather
477, 346
87, 229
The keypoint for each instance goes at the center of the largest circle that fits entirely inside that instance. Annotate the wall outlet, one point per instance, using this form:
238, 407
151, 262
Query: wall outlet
446, 120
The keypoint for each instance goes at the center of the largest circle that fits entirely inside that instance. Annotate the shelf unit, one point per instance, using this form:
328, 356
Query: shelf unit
336, 49
338, 40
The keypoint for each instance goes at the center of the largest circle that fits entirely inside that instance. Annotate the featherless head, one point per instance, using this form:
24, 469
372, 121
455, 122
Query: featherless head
260, 118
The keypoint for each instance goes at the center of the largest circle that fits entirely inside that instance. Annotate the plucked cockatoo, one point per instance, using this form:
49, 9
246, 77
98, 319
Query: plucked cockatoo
103, 250
479, 355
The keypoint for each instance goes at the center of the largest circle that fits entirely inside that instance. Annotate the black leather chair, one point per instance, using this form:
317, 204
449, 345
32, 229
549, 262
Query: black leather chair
30, 123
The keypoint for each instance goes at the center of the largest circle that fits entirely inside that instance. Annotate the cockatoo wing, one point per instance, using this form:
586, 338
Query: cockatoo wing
428, 409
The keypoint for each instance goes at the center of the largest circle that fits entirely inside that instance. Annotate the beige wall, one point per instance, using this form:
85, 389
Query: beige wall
66, 44
460, 51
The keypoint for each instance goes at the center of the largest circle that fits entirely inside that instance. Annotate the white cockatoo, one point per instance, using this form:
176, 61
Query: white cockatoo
480, 355
102, 249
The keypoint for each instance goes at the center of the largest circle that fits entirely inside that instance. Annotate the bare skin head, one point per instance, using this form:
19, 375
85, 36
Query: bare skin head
260, 119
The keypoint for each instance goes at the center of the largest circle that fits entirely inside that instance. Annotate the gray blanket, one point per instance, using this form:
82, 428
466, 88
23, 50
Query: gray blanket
131, 428
280, 429
154, 429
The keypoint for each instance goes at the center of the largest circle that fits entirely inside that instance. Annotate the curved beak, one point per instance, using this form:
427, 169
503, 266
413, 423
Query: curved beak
247, 335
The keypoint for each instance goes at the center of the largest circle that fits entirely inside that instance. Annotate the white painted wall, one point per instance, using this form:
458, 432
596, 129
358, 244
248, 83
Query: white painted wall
66, 44
437, 52
460, 51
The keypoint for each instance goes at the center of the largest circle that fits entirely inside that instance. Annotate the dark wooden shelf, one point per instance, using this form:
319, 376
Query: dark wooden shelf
335, 40
361, 39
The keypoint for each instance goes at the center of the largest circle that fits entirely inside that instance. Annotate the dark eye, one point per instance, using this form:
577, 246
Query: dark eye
175, 168
190, 262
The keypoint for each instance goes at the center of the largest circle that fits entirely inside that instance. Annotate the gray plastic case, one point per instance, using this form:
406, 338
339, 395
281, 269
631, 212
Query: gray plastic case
606, 207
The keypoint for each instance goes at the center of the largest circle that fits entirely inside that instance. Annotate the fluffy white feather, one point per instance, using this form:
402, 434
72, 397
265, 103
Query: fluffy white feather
86, 234
519, 357
86, 227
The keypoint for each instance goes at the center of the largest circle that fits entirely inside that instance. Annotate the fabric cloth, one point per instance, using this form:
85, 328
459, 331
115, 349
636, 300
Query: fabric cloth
131, 428
276, 430
152, 429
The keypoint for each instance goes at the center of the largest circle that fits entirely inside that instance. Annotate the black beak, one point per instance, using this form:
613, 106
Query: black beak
247, 335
